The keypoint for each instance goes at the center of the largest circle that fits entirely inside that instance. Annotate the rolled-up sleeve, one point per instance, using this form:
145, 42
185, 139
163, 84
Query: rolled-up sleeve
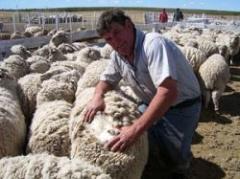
160, 61
111, 73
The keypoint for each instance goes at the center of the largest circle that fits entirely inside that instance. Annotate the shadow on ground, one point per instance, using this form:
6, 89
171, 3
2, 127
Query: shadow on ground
203, 169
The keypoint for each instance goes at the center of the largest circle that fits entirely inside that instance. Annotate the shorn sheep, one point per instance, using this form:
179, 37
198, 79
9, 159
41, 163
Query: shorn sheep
214, 74
43, 166
87, 139
12, 122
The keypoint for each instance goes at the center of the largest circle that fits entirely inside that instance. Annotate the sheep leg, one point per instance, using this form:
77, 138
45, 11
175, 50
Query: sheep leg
216, 94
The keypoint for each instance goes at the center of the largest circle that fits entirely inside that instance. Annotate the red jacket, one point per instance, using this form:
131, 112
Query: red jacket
163, 17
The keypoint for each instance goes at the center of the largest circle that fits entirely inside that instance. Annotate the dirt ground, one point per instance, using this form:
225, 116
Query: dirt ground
216, 144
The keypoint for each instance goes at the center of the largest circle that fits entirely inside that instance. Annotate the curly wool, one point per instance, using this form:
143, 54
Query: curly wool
12, 122
42, 166
28, 88
16, 66
49, 129
87, 139
92, 74
194, 56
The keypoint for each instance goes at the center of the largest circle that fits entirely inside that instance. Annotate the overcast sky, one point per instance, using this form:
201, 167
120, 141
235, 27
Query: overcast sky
229, 5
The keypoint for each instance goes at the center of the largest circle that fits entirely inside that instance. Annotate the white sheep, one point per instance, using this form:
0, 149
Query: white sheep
106, 51
33, 29
49, 129
38, 64
43, 51
194, 56
16, 66
87, 55
92, 74
28, 88
43, 166
214, 74
12, 122
58, 38
87, 139
21, 51
207, 46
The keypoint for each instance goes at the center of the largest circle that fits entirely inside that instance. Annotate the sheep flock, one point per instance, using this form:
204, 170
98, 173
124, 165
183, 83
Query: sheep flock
44, 92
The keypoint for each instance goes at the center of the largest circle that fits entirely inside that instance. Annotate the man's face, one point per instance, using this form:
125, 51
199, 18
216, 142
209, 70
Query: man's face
121, 38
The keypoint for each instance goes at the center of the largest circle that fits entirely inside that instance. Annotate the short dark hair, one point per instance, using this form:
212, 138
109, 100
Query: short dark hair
108, 17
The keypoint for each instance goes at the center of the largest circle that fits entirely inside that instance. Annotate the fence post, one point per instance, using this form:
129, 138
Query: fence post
14, 23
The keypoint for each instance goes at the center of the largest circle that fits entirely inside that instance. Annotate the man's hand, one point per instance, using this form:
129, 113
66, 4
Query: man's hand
125, 139
95, 105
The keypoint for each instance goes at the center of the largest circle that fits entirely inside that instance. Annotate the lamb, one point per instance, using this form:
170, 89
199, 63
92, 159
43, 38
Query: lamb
92, 74
16, 66
194, 56
214, 74
49, 129
42, 166
12, 122
87, 139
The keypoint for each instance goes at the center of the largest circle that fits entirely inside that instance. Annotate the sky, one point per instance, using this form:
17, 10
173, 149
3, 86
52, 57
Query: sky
229, 5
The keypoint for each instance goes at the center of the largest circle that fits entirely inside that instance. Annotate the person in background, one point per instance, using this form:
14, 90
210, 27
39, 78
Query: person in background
178, 15
163, 17
160, 75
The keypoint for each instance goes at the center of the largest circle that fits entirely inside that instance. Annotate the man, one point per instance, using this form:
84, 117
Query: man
160, 75
178, 15
163, 17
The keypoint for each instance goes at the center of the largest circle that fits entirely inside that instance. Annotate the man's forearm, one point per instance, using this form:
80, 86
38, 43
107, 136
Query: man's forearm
161, 102
102, 87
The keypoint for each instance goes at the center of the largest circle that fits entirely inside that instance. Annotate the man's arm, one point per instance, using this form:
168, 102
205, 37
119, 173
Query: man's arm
97, 102
163, 99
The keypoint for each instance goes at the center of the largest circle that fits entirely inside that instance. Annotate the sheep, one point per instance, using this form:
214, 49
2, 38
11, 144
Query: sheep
28, 87
49, 129
12, 122
55, 55
59, 38
43, 51
88, 139
16, 66
106, 51
33, 29
42, 166
194, 56
208, 47
21, 51
92, 74
59, 87
67, 48
214, 74
225, 52
40, 66
87, 55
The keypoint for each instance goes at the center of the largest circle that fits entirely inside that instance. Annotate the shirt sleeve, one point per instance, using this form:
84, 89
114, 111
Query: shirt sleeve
111, 74
160, 55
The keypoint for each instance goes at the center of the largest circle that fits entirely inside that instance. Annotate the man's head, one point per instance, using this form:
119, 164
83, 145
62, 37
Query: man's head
118, 30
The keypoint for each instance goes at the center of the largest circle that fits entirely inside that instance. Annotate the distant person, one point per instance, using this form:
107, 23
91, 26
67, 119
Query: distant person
178, 15
1, 27
163, 17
